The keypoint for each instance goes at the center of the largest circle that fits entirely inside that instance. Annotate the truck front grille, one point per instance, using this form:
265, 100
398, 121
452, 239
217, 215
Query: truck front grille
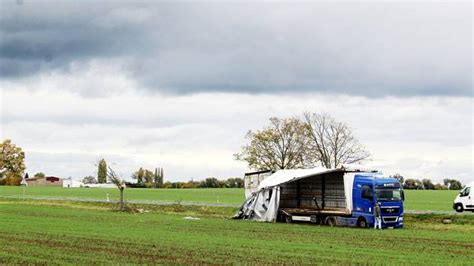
390, 210
390, 219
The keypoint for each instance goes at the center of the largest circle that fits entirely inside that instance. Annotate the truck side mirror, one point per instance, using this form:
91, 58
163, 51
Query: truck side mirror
403, 195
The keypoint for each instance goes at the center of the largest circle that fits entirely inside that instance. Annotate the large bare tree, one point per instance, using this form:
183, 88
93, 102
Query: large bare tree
280, 145
331, 143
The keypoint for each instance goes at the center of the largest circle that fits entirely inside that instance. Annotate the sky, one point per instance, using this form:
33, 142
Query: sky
178, 84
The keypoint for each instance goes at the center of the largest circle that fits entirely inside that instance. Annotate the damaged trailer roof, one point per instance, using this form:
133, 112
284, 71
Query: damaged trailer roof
288, 175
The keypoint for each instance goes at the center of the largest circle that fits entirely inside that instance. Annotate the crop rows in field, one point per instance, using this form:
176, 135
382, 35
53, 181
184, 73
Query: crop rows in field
84, 233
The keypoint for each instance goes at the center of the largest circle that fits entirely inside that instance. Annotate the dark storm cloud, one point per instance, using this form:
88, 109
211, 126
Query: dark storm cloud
43, 37
360, 49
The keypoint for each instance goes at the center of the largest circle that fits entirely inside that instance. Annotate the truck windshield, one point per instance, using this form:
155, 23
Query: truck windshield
388, 194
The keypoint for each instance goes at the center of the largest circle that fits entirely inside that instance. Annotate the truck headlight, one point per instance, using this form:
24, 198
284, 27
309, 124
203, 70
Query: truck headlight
400, 219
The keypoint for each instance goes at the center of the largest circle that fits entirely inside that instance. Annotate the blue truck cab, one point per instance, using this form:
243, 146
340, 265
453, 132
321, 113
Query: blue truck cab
369, 190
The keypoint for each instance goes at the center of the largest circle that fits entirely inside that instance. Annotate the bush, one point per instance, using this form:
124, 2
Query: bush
12, 179
452, 184
413, 184
134, 185
427, 184
440, 187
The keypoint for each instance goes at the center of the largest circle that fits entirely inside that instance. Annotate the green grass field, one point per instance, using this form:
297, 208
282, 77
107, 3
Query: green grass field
201, 195
430, 200
433, 200
55, 232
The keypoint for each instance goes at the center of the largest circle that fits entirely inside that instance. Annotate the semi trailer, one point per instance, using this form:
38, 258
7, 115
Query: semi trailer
343, 196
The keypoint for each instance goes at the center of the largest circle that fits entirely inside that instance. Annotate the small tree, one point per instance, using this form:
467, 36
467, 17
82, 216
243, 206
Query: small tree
400, 178
148, 177
102, 171
413, 184
223, 184
144, 177
156, 178
427, 184
89, 180
40, 174
455, 185
235, 182
162, 176
117, 181
452, 184
138, 175
210, 182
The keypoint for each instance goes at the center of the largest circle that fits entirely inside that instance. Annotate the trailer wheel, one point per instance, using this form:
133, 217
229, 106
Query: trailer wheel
287, 219
459, 207
331, 221
361, 222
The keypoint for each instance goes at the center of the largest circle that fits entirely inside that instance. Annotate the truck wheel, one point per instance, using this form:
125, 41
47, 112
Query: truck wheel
287, 219
361, 222
331, 221
459, 208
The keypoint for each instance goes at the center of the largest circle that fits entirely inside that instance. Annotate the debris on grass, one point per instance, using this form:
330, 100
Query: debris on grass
131, 209
191, 218
447, 221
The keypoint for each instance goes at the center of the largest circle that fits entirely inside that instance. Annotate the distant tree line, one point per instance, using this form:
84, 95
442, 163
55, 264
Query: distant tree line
145, 178
154, 179
210, 182
279, 146
427, 184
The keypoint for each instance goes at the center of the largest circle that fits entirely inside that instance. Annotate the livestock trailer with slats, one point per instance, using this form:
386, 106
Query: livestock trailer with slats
343, 196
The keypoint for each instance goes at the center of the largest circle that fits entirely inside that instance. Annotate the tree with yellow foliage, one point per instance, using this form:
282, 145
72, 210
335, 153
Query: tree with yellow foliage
12, 163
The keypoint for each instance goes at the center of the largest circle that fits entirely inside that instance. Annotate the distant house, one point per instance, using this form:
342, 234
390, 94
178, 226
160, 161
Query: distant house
45, 181
69, 182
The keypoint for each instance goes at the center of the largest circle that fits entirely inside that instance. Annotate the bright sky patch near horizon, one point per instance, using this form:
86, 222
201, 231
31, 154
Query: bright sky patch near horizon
177, 85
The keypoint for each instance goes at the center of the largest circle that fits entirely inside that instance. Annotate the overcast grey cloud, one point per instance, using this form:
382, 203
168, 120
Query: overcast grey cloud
177, 85
369, 49
194, 136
